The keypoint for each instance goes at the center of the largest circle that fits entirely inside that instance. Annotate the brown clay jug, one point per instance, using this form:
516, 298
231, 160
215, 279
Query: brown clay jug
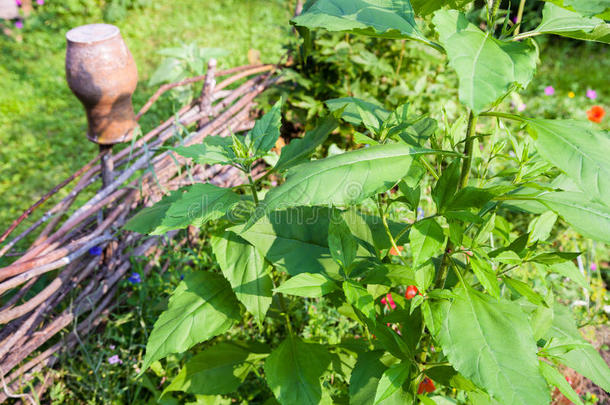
101, 72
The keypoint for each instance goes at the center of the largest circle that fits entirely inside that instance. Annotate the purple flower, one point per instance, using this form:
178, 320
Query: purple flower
19, 24
549, 90
95, 251
592, 94
181, 276
521, 107
420, 213
115, 359
40, 2
593, 267
18, 2
135, 278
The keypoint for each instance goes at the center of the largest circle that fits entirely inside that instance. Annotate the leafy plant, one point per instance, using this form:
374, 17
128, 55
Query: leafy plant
437, 299
180, 63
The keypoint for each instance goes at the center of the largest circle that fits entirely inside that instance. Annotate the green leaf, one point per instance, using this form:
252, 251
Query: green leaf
447, 376
427, 240
485, 230
491, 343
425, 7
151, 218
296, 239
341, 243
525, 290
584, 359
300, 149
191, 205
379, 18
447, 185
353, 107
266, 131
487, 68
365, 377
212, 150
569, 270
293, 371
392, 380
486, 275
360, 298
307, 285
559, 21
555, 378
201, 307
246, 270
579, 150
585, 7
589, 218
219, 369
470, 197
540, 228
340, 180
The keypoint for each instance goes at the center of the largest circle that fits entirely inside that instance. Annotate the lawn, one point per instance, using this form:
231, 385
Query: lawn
42, 125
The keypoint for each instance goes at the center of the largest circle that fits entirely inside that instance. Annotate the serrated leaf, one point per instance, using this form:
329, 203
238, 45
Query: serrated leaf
579, 150
212, 150
491, 343
201, 307
307, 285
191, 205
293, 371
246, 270
569, 270
296, 239
540, 228
342, 180
427, 240
589, 218
555, 378
379, 18
352, 108
266, 131
300, 149
525, 290
585, 7
583, 358
560, 21
487, 68
425, 7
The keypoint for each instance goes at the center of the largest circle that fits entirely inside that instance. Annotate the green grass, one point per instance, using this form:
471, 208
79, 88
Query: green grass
42, 125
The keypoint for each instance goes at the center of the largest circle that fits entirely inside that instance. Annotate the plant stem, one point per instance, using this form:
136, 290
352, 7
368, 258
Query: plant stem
502, 115
425, 162
253, 188
285, 312
441, 276
519, 16
468, 145
387, 228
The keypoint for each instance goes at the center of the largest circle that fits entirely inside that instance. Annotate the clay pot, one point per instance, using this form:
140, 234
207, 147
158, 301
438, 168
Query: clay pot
102, 73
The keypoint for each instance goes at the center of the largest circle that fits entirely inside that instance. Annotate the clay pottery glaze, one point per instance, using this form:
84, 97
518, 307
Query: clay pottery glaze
102, 74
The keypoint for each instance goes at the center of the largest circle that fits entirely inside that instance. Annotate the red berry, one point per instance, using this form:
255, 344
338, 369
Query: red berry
411, 292
426, 385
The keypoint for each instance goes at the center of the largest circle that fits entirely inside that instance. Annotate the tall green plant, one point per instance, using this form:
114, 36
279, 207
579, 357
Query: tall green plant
437, 297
